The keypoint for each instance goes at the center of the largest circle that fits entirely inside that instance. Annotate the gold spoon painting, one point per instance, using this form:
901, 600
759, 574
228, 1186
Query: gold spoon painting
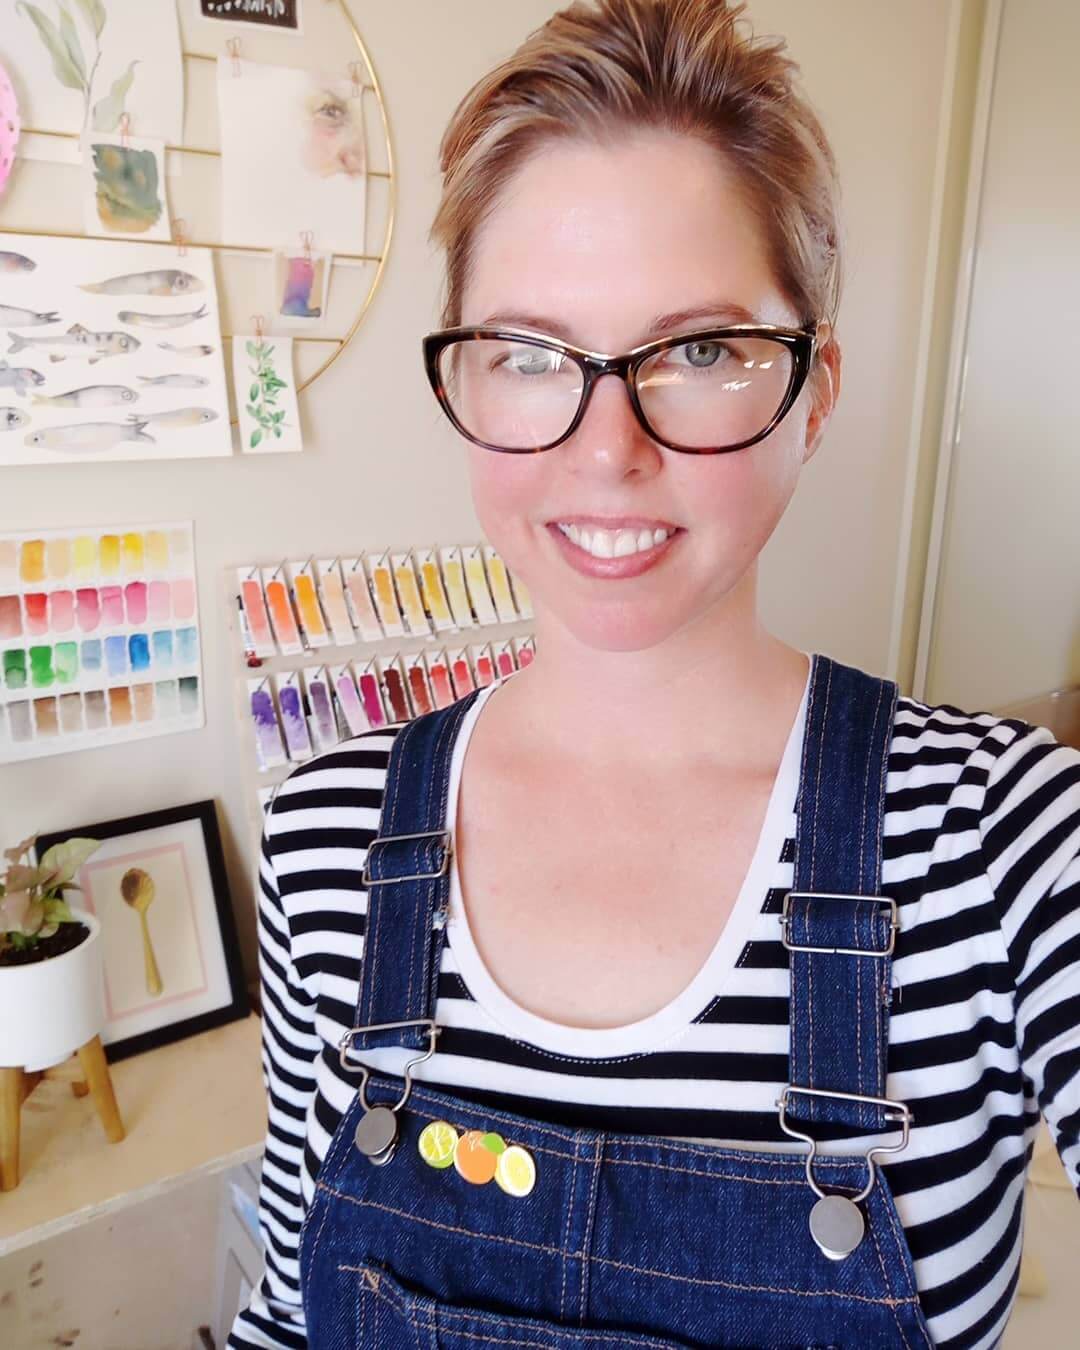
137, 888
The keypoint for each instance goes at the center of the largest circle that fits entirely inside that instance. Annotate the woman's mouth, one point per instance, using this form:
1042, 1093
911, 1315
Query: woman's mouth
625, 550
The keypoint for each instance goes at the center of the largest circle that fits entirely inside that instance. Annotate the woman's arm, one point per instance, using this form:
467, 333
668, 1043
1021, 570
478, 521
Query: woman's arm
274, 1316
1030, 836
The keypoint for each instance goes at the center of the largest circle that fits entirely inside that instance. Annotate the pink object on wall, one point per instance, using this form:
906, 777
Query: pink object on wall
9, 127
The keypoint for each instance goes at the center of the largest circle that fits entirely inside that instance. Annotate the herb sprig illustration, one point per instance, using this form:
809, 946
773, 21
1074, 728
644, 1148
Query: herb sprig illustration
71, 67
263, 392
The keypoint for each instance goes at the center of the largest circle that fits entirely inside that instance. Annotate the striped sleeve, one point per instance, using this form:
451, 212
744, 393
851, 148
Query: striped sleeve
274, 1316
1030, 833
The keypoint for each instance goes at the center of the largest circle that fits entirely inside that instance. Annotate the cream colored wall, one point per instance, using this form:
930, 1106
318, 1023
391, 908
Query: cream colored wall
382, 468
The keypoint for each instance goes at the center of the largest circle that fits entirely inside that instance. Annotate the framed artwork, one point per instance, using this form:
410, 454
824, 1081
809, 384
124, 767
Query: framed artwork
171, 958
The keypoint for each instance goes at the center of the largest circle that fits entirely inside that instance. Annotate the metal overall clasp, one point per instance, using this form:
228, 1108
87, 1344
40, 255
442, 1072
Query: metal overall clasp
377, 1132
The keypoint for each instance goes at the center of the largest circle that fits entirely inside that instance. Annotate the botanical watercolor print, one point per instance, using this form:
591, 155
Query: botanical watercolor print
267, 411
124, 187
109, 350
95, 66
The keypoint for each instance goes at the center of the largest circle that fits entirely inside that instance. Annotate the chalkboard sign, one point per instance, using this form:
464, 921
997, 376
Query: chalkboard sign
265, 13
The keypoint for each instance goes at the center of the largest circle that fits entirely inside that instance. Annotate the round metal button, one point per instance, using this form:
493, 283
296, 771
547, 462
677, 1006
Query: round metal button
837, 1226
376, 1132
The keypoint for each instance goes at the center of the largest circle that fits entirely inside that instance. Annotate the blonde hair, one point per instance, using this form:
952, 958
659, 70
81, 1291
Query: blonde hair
595, 70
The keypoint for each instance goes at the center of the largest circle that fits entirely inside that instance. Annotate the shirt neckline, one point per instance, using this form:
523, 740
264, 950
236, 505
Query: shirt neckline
674, 1017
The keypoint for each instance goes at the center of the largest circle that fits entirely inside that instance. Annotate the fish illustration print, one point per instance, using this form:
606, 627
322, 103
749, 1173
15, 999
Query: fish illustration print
88, 437
175, 381
12, 418
79, 341
13, 317
178, 417
15, 262
199, 349
160, 320
19, 377
90, 396
164, 281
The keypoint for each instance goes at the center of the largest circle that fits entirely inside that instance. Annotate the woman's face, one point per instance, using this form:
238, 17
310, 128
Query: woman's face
591, 244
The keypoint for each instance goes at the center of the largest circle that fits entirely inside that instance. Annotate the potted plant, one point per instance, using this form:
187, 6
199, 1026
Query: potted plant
51, 971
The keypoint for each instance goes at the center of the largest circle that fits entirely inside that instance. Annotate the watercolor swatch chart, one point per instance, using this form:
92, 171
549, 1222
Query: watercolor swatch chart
99, 638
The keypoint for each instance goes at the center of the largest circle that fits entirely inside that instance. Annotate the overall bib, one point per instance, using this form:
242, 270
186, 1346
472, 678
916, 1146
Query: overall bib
627, 1240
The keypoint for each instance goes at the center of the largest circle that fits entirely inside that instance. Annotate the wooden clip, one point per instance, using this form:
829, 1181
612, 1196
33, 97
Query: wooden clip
232, 46
179, 234
306, 237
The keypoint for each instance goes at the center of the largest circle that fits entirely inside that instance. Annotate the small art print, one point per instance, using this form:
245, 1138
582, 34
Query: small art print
267, 411
266, 13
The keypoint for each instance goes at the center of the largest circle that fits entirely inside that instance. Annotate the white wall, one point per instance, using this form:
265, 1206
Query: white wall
386, 469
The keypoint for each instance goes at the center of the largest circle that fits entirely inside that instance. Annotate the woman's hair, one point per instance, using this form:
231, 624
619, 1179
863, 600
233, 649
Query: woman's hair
594, 71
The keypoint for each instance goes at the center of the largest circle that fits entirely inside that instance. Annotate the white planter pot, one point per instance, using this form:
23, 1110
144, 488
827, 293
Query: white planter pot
50, 1008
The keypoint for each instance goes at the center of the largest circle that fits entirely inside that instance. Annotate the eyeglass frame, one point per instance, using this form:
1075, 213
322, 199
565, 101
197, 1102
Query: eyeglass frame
803, 343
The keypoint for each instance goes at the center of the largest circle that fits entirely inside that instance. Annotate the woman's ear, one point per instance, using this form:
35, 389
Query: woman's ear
825, 390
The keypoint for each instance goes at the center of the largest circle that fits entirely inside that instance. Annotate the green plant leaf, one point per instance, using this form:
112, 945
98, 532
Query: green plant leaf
254, 393
94, 13
57, 911
277, 430
109, 110
256, 437
249, 347
65, 71
72, 44
66, 858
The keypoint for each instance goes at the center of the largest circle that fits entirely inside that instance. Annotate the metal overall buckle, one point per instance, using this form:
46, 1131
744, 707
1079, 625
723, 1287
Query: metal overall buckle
836, 1222
786, 919
367, 880
377, 1132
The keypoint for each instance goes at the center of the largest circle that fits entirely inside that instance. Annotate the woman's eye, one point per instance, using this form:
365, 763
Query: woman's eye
536, 363
331, 112
701, 355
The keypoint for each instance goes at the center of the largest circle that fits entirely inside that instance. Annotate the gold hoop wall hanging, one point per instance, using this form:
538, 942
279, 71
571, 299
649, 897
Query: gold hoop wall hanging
362, 71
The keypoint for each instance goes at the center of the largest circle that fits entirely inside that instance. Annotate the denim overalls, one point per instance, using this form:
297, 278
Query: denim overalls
627, 1240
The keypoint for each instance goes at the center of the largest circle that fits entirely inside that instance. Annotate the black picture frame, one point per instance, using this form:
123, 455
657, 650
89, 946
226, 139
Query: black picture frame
236, 1004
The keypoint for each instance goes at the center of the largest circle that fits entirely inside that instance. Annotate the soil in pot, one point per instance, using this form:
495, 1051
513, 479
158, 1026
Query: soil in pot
66, 937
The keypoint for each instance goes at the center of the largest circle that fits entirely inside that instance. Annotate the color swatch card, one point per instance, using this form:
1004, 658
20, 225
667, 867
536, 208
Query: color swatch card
361, 606
112, 351
99, 638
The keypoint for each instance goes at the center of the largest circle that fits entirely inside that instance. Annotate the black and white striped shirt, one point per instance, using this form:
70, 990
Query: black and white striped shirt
982, 854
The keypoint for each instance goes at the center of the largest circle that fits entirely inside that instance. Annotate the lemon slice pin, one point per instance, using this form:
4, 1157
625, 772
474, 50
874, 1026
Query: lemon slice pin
515, 1171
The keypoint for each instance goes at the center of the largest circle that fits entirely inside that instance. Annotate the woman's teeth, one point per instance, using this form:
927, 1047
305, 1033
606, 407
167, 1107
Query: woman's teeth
613, 543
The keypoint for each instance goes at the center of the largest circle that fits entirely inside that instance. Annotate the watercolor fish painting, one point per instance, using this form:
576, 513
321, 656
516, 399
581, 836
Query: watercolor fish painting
161, 320
199, 349
177, 417
12, 418
15, 262
13, 317
161, 281
88, 436
92, 396
78, 341
175, 381
19, 378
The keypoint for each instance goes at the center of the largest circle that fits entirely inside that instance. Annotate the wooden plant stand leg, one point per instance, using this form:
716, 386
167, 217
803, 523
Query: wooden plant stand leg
90, 1076
96, 1068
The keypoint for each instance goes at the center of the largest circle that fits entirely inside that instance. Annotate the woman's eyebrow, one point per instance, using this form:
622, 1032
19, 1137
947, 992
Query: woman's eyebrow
724, 311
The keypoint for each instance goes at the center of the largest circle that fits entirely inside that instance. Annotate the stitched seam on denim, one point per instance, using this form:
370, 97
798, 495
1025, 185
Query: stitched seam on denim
434, 946
369, 970
448, 1314
429, 890
898, 1237
566, 1236
719, 1284
339, 1138
888, 1286
821, 737
590, 1224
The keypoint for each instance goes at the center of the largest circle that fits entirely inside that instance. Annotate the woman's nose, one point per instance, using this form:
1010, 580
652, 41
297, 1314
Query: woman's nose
609, 441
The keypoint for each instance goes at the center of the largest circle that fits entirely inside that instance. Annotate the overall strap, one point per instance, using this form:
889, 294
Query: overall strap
407, 876
836, 925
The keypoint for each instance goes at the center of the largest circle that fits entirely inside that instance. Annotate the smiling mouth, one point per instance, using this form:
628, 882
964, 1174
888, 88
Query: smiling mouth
622, 542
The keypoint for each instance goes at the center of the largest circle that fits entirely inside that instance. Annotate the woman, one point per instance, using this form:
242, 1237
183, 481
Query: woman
550, 1026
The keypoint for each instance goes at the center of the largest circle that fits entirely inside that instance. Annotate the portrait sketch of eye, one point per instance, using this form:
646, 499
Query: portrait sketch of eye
293, 156
334, 138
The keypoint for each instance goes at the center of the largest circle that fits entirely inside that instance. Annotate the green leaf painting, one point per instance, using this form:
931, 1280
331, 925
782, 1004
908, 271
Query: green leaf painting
108, 112
70, 62
64, 68
263, 393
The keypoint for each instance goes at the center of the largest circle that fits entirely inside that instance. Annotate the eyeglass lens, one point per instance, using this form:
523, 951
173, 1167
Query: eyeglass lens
702, 394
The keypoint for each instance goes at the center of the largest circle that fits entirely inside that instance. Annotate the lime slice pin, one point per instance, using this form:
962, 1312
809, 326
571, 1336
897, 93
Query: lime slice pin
437, 1143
